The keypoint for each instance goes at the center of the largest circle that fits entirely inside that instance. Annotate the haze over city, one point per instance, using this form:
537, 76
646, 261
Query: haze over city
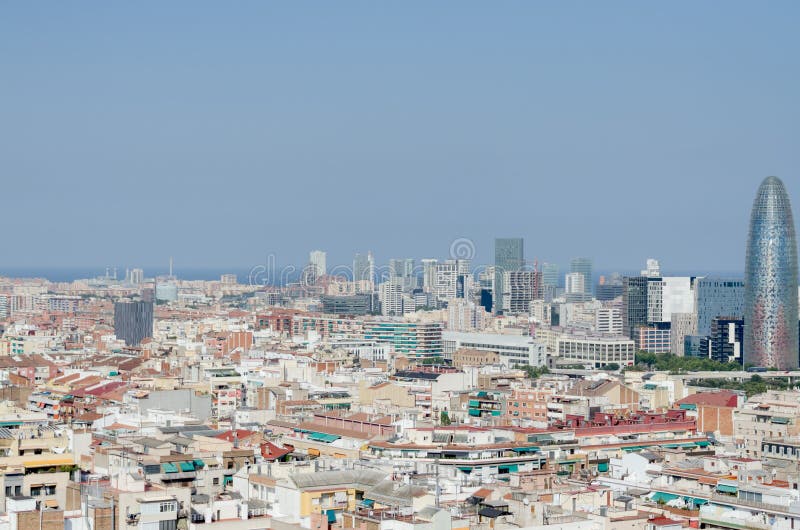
219, 136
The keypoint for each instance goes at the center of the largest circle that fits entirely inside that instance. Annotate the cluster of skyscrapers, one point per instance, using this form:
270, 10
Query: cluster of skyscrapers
752, 320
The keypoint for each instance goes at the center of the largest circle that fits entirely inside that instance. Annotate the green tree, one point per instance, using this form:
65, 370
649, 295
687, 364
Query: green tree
444, 418
533, 372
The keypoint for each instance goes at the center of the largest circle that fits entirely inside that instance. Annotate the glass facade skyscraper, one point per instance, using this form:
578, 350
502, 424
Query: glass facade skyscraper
717, 297
550, 274
634, 303
133, 321
584, 267
508, 257
770, 333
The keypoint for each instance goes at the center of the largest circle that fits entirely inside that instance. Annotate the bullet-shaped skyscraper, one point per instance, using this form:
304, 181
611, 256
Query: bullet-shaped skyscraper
770, 320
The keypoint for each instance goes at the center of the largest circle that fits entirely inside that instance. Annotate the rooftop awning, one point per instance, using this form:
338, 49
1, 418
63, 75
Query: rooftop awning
48, 462
492, 513
369, 503
531, 449
199, 463
187, 466
726, 488
780, 420
660, 496
323, 437
169, 467
331, 516
695, 501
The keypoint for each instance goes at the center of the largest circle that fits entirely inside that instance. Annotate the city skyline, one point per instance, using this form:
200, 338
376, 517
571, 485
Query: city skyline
555, 128
399, 266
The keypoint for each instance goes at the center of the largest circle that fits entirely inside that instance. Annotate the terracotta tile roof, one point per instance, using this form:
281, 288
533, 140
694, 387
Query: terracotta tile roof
121, 427
663, 521
65, 379
271, 452
105, 388
721, 398
241, 434
483, 493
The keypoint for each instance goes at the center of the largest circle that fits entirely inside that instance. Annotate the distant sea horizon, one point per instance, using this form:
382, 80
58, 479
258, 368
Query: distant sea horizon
70, 274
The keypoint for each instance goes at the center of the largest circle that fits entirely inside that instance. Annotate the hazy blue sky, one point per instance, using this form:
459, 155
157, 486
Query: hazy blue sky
219, 132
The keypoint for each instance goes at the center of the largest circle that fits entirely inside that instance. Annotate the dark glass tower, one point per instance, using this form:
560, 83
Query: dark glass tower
508, 257
770, 300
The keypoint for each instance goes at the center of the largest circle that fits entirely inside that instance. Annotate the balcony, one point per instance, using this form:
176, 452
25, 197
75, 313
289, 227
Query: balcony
179, 476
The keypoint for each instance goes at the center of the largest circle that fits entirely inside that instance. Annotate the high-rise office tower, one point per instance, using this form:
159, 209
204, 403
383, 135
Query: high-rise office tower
717, 297
549, 275
522, 288
364, 268
446, 280
667, 295
609, 288
508, 257
318, 260
726, 339
403, 271
770, 281
429, 275
574, 283
583, 266
133, 321
634, 305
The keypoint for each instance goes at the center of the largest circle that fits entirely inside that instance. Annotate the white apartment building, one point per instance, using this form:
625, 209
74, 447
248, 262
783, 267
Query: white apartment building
512, 349
463, 315
428, 275
318, 260
574, 283
393, 301
608, 320
596, 350
446, 280
665, 296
